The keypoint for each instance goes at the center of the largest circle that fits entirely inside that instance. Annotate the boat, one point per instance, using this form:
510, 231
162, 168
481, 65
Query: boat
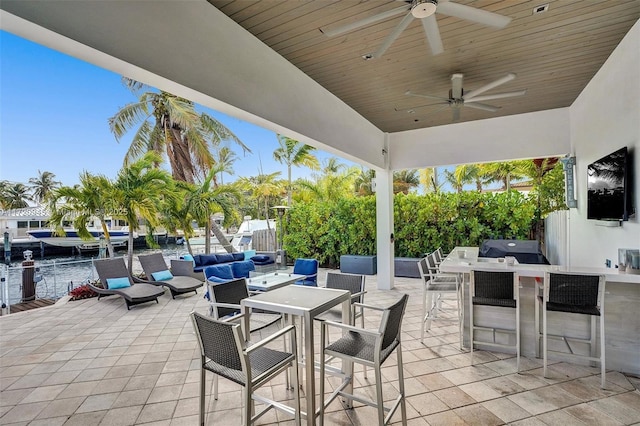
243, 238
72, 239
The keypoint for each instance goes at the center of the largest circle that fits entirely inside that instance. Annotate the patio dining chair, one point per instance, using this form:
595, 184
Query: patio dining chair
223, 351
308, 268
370, 348
225, 304
434, 286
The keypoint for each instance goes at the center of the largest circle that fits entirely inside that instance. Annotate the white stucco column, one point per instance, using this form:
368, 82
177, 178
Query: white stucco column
384, 226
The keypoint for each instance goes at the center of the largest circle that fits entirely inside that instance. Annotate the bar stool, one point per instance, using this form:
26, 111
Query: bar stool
436, 284
572, 293
498, 289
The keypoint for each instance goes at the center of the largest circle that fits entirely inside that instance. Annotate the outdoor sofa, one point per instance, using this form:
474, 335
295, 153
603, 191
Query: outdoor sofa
202, 261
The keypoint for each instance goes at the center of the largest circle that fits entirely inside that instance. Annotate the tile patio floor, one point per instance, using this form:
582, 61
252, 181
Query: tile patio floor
95, 363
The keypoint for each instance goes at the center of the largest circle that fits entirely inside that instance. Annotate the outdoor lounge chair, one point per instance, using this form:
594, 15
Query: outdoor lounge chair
114, 275
157, 273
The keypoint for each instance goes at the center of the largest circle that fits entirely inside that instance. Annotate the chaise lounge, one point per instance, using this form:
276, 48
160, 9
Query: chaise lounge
158, 273
116, 280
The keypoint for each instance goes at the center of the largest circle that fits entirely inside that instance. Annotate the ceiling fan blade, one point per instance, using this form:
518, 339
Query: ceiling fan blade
468, 96
456, 114
432, 32
497, 96
439, 98
331, 32
483, 107
456, 86
392, 37
410, 110
473, 14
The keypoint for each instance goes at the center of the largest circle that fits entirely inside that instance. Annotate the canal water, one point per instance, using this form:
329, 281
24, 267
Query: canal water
55, 276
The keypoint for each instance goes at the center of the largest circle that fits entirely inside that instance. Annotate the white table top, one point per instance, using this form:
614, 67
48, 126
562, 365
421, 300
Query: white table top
271, 281
298, 300
456, 264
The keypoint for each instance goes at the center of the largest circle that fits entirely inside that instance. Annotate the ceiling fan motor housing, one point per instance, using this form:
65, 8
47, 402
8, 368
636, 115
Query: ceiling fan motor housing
423, 8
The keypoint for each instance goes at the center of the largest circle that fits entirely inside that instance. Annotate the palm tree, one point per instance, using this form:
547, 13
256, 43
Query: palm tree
294, 153
537, 169
332, 185
264, 188
208, 199
138, 191
15, 195
364, 184
79, 204
224, 162
170, 125
505, 172
469, 173
4, 187
176, 211
43, 185
404, 180
429, 179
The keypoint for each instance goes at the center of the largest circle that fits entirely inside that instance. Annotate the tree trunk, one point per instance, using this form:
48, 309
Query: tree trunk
130, 251
221, 238
207, 236
289, 187
107, 238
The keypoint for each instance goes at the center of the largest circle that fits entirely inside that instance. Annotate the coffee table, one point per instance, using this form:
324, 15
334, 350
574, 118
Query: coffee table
271, 281
306, 303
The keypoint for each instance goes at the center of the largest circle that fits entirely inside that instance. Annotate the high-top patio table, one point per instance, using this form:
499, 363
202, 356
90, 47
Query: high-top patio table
306, 303
272, 281
621, 301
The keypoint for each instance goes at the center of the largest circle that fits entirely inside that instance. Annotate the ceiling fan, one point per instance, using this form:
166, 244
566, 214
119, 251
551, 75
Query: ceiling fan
424, 10
458, 98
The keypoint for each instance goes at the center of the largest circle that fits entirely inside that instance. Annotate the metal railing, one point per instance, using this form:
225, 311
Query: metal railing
42, 280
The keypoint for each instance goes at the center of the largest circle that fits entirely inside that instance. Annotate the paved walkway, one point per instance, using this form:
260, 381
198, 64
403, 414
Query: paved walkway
95, 363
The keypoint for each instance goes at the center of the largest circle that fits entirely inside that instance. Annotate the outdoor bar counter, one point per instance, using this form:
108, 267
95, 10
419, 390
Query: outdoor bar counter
621, 307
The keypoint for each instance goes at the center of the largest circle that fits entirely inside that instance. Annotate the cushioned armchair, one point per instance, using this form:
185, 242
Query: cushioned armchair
229, 271
309, 268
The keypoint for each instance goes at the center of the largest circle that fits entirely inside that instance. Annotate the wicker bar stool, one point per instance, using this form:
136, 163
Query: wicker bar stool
499, 289
571, 294
224, 353
370, 348
434, 285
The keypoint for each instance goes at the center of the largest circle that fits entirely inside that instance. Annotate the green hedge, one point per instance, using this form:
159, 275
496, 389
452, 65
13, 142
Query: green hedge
326, 230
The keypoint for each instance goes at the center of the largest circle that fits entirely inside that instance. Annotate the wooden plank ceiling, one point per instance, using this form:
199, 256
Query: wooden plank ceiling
554, 53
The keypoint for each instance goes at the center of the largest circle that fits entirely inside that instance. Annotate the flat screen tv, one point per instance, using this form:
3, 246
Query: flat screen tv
609, 195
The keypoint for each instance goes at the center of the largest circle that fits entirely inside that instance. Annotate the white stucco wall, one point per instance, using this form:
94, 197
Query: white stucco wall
532, 135
604, 118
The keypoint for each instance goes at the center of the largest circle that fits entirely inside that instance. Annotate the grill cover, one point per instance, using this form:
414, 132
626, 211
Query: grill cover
525, 251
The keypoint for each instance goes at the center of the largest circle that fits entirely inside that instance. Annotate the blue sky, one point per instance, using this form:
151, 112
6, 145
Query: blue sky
54, 112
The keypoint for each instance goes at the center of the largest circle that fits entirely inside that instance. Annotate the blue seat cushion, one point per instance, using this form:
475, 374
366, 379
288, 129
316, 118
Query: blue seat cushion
262, 259
307, 283
249, 254
216, 280
225, 257
241, 269
238, 256
165, 275
207, 259
308, 267
223, 272
114, 283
